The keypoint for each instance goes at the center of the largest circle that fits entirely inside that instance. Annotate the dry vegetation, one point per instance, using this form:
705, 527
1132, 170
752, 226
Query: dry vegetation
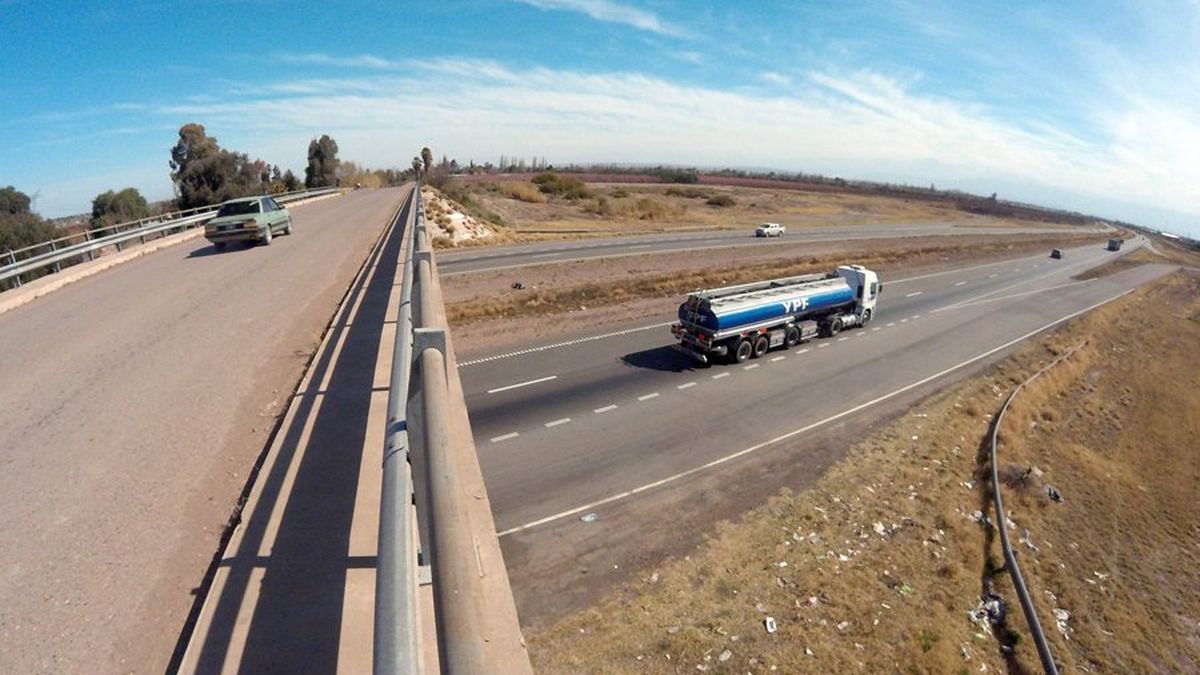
878, 567
567, 208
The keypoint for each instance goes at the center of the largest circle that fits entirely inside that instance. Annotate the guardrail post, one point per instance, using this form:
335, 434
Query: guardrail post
57, 266
87, 236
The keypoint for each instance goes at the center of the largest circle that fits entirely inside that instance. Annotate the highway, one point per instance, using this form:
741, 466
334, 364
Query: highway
491, 258
132, 406
581, 427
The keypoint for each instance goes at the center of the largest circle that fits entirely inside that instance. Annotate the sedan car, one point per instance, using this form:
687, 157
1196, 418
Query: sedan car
250, 219
770, 230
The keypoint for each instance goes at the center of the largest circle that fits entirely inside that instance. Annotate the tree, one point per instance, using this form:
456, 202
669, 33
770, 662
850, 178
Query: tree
110, 207
204, 173
416, 167
19, 227
427, 158
290, 182
13, 201
322, 168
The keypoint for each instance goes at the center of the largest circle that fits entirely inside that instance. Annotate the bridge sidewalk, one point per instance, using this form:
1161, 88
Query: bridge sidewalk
294, 590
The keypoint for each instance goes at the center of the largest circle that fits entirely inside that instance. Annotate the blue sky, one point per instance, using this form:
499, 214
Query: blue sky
1083, 105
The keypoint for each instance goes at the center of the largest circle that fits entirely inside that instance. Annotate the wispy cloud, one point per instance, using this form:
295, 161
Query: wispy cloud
322, 59
613, 12
772, 77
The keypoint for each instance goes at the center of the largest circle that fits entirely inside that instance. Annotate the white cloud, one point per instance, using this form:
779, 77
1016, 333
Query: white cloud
860, 124
321, 59
613, 12
771, 77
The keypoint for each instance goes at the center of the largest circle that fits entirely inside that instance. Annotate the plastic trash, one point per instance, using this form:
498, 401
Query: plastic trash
589, 517
770, 625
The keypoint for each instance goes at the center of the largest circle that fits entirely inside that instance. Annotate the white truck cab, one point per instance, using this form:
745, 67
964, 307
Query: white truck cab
866, 287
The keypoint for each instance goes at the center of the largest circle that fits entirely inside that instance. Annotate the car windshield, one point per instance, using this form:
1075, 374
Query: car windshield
238, 209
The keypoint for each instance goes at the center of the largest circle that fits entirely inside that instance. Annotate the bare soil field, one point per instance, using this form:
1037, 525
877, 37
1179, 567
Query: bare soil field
881, 565
595, 293
522, 213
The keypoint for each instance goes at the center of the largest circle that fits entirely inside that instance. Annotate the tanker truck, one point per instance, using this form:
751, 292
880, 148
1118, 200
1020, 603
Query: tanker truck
745, 321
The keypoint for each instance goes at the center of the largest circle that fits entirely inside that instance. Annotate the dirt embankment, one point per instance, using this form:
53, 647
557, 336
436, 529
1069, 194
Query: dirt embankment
882, 566
595, 293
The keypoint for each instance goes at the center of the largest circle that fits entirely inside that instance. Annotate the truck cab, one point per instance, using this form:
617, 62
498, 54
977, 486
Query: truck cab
867, 288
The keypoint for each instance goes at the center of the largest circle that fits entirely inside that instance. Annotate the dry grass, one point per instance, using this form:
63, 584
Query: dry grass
543, 301
1138, 258
526, 192
876, 568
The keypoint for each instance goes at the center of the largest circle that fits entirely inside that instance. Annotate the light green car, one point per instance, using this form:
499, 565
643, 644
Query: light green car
248, 219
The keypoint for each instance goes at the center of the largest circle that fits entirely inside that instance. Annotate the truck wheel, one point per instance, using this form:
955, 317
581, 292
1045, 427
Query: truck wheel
741, 353
761, 345
833, 327
791, 337
866, 316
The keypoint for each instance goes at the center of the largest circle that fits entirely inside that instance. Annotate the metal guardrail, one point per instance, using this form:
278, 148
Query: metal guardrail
1010, 558
55, 252
475, 619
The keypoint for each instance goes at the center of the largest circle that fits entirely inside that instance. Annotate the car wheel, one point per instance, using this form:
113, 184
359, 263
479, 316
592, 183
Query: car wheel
761, 345
742, 352
287, 229
266, 240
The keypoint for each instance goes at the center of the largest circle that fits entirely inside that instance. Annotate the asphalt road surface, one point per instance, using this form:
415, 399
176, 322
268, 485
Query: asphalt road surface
132, 406
485, 259
659, 447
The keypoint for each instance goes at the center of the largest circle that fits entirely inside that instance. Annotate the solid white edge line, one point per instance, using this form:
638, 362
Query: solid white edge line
505, 437
522, 384
605, 409
557, 422
832, 418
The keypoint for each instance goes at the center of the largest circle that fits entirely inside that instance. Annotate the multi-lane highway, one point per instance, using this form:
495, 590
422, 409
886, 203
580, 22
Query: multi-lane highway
487, 259
132, 406
581, 426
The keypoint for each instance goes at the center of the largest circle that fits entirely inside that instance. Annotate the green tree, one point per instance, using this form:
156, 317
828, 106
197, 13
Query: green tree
427, 158
18, 226
204, 173
322, 168
110, 207
290, 182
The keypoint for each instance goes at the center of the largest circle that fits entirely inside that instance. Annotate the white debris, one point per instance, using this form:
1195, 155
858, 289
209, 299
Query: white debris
770, 625
1061, 616
879, 528
725, 656
843, 625
589, 517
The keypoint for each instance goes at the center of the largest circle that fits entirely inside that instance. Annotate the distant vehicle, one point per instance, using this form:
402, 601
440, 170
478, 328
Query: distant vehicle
248, 219
770, 230
1115, 244
744, 321
1056, 253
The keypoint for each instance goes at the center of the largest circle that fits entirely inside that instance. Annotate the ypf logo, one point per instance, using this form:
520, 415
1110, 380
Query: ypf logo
792, 306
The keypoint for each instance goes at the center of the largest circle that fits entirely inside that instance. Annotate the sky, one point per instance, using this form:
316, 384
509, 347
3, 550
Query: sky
1088, 106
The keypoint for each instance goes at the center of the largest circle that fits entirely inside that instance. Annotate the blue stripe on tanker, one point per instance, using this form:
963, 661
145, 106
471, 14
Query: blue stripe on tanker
770, 310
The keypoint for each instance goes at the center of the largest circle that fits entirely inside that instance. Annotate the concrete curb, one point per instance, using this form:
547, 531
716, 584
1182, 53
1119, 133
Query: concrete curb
28, 292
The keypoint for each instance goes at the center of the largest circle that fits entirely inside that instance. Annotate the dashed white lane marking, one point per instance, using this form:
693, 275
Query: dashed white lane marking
903, 320
630, 248
778, 358
568, 343
985, 300
961, 283
803, 351
686, 385
750, 366
720, 375
497, 390
604, 409
1017, 270
876, 328
822, 346
505, 437
916, 316
860, 334
647, 397
891, 324
914, 294
832, 418
843, 339
993, 276
557, 422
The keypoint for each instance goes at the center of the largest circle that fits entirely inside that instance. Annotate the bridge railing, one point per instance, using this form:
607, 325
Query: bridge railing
435, 523
72, 249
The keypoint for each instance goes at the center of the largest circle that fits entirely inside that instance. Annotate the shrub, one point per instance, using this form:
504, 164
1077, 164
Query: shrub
561, 186
690, 193
721, 200
526, 192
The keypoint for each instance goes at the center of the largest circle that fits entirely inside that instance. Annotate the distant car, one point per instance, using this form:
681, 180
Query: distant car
770, 230
1056, 253
248, 219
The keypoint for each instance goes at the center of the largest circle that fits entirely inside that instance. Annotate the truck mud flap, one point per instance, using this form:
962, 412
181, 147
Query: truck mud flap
702, 358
